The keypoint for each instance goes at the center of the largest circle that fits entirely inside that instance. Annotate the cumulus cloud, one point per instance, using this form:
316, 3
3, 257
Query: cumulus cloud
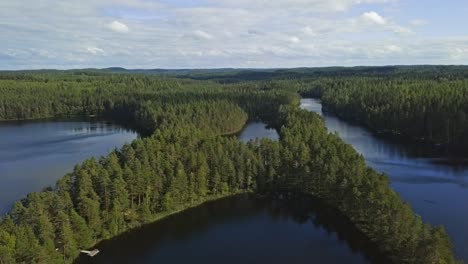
118, 27
374, 21
374, 17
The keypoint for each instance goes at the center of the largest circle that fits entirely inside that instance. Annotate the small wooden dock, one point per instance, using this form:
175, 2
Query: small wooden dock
91, 253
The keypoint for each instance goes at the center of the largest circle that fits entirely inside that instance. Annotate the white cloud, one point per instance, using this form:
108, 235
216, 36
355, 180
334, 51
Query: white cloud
118, 27
191, 53
202, 34
375, 22
294, 40
308, 31
217, 52
400, 30
459, 53
374, 17
217, 33
393, 48
94, 50
311, 5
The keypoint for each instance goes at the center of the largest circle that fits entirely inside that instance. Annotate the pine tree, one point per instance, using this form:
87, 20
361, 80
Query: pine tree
66, 243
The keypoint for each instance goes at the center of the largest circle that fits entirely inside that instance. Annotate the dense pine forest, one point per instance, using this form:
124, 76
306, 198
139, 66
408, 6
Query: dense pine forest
187, 157
435, 111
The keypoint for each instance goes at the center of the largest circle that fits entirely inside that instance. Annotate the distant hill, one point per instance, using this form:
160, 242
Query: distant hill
230, 75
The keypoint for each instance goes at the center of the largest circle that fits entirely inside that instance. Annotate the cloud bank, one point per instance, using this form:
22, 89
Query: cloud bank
222, 33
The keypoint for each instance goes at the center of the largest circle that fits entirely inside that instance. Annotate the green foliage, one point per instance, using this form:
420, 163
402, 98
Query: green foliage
433, 110
186, 158
337, 174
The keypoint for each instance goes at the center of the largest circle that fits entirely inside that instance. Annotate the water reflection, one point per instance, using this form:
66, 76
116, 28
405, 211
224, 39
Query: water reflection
34, 154
241, 229
254, 130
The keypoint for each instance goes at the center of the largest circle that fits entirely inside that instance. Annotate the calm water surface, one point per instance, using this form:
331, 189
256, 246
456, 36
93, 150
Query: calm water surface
255, 130
240, 229
35, 154
435, 185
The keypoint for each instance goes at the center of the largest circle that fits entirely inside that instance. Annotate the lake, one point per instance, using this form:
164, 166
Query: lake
256, 129
238, 229
435, 184
35, 154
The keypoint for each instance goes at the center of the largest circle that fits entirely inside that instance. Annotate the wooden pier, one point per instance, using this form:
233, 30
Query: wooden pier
92, 253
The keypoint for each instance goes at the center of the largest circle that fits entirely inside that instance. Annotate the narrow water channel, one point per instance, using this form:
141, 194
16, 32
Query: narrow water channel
434, 184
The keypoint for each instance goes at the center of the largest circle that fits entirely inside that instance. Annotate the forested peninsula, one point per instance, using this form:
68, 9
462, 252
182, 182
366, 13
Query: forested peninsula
186, 157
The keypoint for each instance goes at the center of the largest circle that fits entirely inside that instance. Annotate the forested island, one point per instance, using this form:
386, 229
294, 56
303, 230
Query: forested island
187, 157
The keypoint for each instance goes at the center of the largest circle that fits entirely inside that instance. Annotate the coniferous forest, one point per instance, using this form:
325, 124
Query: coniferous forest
186, 156
433, 109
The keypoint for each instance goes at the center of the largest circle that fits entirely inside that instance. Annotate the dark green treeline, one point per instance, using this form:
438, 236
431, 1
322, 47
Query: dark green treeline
432, 110
186, 160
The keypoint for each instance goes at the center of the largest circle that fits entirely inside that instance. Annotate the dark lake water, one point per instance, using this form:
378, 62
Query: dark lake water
35, 154
435, 184
255, 130
239, 229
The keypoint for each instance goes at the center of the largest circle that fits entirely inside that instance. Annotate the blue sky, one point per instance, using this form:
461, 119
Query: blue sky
221, 33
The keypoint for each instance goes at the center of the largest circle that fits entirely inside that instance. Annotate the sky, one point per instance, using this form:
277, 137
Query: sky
69, 34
